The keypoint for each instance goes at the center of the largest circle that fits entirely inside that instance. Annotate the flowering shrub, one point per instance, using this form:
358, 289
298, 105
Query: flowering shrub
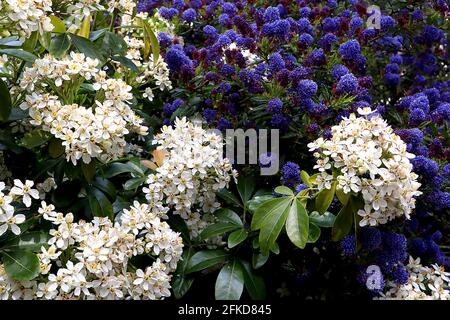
114, 179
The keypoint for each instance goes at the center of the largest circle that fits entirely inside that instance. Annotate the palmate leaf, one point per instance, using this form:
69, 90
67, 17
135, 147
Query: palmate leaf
271, 228
297, 224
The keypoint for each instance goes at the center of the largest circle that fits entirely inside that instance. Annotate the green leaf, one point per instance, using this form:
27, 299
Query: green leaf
343, 197
113, 44
325, 220
99, 203
45, 39
217, 229
150, 42
297, 224
343, 223
117, 168
182, 283
125, 62
5, 101
85, 28
205, 259
284, 190
275, 206
245, 186
58, 25
324, 198
106, 186
305, 178
254, 203
87, 47
134, 183
259, 259
60, 45
20, 54
55, 148
32, 241
230, 282
314, 233
271, 229
229, 216
35, 138
89, 170
229, 197
21, 265
237, 237
30, 43
254, 284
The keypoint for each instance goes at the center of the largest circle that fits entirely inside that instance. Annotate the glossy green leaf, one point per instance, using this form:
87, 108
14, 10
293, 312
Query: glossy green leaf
55, 148
21, 265
343, 223
31, 42
236, 237
229, 216
45, 39
254, 203
271, 228
99, 203
205, 259
117, 168
313, 233
324, 198
182, 283
5, 101
88, 170
305, 178
254, 284
284, 190
297, 224
230, 282
343, 197
20, 54
150, 42
245, 186
58, 24
85, 28
269, 208
31, 241
87, 47
134, 183
229, 197
59, 45
125, 62
113, 44
217, 229
35, 138
325, 220
106, 186
259, 259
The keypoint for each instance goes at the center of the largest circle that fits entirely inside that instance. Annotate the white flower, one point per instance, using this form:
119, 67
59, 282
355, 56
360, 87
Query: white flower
9, 220
148, 93
25, 190
367, 157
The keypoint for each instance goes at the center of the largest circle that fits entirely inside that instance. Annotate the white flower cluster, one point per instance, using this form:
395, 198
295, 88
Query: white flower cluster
249, 57
367, 157
192, 171
124, 6
27, 15
8, 218
91, 260
87, 133
80, 9
424, 283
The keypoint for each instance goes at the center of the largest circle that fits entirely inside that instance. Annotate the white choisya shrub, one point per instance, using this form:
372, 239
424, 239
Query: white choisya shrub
365, 156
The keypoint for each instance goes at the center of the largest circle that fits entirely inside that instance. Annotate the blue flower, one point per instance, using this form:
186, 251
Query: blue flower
350, 49
276, 62
189, 15
275, 105
271, 14
348, 245
338, 71
306, 88
290, 174
391, 79
424, 166
305, 40
348, 83
279, 121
